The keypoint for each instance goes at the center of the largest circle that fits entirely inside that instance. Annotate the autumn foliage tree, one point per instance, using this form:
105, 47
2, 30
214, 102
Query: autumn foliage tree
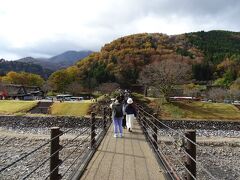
123, 59
75, 88
59, 81
235, 89
165, 75
23, 78
107, 88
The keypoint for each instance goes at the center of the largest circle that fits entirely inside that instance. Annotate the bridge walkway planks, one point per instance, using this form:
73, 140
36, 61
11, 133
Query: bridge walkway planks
126, 158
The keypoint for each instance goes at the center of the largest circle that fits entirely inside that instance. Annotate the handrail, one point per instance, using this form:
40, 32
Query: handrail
150, 124
86, 130
180, 134
186, 154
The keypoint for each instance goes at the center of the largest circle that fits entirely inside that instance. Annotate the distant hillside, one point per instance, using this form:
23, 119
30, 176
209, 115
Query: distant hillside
216, 45
124, 58
213, 55
39, 61
6, 66
70, 57
60, 61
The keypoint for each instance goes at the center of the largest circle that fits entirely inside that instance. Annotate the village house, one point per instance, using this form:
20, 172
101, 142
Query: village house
12, 91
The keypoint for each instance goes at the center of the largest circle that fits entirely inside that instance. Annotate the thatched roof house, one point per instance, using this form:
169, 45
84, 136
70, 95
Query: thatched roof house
12, 91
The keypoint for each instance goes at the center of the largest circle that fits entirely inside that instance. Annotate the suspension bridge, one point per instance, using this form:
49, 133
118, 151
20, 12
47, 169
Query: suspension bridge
141, 154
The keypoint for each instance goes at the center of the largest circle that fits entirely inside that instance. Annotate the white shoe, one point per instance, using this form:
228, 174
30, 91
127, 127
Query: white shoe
115, 135
120, 135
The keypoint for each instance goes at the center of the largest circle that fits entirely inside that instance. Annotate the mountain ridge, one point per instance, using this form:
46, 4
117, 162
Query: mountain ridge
59, 61
42, 66
213, 55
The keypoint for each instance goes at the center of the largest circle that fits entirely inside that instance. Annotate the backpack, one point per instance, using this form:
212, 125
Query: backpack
118, 111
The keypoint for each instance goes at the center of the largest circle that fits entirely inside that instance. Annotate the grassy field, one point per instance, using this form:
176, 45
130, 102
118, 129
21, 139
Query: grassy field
12, 106
192, 110
70, 109
200, 110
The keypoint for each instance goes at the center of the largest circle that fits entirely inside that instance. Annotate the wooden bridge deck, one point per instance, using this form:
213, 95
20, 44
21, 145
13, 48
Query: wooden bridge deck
126, 158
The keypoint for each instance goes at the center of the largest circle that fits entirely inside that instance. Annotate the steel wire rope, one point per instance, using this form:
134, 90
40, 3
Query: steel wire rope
33, 151
179, 161
182, 136
83, 132
66, 157
173, 140
171, 129
72, 163
36, 149
69, 156
169, 172
174, 156
186, 154
52, 156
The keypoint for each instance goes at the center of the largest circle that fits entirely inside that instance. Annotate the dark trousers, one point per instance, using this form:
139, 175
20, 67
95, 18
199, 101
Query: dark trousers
124, 121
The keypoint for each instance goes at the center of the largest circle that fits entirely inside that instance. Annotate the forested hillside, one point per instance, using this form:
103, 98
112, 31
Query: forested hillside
213, 55
221, 51
216, 45
7, 66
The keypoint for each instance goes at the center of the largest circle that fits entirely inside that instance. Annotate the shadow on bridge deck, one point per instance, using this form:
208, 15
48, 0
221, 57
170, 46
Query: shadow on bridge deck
126, 158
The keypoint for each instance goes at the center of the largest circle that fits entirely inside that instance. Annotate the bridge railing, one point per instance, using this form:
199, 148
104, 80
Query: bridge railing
175, 148
73, 155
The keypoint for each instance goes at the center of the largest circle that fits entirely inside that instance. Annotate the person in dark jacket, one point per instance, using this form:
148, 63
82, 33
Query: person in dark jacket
117, 116
130, 114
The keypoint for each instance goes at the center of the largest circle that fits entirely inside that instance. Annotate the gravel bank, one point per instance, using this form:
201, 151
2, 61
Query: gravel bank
21, 135
219, 152
15, 144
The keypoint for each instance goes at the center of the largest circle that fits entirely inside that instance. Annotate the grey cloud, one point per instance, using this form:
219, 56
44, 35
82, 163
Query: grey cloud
192, 7
117, 19
220, 13
42, 49
214, 14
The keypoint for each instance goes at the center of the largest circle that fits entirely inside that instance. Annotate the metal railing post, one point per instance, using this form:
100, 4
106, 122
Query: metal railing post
191, 150
143, 119
110, 114
155, 131
104, 119
93, 134
54, 160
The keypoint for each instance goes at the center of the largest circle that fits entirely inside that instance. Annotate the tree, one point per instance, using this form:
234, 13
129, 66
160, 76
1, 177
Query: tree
107, 88
202, 72
146, 78
165, 74
235, 89
191, 90
47, 86
59, 80
23, 78
217, 94
75, 88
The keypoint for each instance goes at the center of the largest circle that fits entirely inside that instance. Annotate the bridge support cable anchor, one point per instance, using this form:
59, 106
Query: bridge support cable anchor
55, 147
190, 148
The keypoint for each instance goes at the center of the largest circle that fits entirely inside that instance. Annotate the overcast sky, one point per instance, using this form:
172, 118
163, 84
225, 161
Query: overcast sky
43, 28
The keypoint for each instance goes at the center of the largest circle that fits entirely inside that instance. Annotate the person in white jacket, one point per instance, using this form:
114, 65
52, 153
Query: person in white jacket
130, 114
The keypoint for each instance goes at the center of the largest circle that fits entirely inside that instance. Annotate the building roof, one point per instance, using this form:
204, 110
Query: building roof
19, 90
